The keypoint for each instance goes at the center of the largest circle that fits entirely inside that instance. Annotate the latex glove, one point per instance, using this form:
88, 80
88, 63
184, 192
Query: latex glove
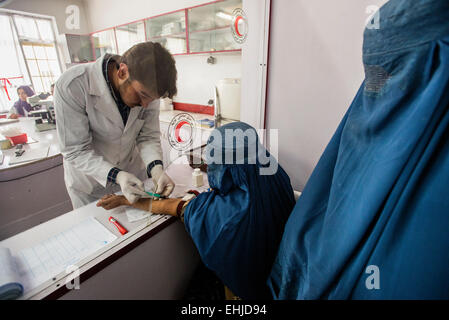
132, 187
163, 184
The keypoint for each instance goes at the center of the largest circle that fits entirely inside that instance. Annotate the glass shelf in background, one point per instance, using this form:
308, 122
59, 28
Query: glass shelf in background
169, 30
129, 35
212, 40
80, 48
104, 42
210, 27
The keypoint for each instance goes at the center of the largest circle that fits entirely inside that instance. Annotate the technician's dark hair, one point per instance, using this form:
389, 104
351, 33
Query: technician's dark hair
153, 66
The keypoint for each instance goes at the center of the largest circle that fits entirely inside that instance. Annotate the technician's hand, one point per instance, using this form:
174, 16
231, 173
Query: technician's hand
163, 184
132, 187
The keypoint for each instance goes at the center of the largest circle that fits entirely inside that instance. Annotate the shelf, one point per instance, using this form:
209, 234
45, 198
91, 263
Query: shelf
181, 35
205, 29
210, 30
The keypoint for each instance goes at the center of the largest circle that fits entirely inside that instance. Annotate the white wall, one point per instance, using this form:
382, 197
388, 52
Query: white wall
56, 8
254, 63
109, 13
196, 77
315, 70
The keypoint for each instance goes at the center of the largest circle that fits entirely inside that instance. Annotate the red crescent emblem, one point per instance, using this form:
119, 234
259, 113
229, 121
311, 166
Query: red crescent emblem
236, 26
178, 127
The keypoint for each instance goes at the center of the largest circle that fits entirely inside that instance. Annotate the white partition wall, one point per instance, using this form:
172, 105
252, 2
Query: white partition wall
254, 63
315, 69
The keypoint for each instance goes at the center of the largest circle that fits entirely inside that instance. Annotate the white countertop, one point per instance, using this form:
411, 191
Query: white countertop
180, 172
43, 139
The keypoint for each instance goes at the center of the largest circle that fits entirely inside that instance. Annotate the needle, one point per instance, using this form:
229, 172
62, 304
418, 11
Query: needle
153, 194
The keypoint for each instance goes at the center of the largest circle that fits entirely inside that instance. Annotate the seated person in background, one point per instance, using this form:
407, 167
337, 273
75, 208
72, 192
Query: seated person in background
21, 107
238, 225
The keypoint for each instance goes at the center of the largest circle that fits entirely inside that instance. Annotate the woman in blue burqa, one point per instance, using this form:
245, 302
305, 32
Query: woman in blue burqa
238, 225
373, 219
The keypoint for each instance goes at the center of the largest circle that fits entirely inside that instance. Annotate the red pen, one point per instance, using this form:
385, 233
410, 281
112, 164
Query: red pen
118, 225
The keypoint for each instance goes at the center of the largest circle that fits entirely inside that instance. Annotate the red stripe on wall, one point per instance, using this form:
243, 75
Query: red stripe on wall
197, 108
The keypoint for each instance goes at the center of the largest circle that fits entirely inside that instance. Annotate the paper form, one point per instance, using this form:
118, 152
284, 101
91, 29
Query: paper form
52, 256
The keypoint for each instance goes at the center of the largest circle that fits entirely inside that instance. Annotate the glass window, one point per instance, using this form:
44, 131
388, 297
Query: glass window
39, 52
34, 70
51, 53
169, 30
42, 63
45, 30
129, 35
43, 68
80, 48
104, 42
26, 27
34, 48
12, 66
210, 27
28, 51
55, 71
37, 84
47, 81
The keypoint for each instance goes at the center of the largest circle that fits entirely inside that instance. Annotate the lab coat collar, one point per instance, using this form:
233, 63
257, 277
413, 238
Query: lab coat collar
98, 87
133, 114
97, 83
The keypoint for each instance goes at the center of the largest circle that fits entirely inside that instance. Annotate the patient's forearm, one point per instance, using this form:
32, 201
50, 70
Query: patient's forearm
142, 204
174, 207
162, 206
166, 206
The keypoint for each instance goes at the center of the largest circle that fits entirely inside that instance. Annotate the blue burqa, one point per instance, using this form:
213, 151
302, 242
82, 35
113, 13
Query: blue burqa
237, 226
373, 219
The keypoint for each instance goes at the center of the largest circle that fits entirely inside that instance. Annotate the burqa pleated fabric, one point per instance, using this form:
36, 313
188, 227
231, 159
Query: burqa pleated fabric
238, 225
373, 219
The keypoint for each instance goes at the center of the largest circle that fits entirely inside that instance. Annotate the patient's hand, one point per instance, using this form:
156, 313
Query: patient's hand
162, 206
111, 201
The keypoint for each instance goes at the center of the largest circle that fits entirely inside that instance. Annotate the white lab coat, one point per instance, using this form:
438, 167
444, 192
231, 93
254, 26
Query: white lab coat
92, 136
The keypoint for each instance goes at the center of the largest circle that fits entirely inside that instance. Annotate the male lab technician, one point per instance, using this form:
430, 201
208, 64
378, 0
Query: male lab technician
108, 123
